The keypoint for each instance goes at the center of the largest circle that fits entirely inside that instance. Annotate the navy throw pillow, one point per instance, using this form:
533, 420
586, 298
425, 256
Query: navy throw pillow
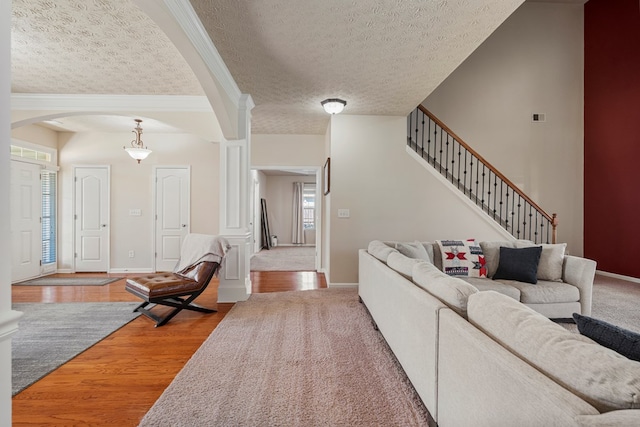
519, 264
622, 341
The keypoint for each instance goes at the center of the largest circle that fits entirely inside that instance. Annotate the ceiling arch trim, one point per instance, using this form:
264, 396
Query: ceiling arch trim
61, 102
182, 25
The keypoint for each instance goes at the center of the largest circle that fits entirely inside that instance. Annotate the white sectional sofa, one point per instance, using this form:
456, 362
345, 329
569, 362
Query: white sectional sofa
482, 358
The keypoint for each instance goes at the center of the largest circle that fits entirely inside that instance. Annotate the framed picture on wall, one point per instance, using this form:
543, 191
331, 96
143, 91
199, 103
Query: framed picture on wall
326, 181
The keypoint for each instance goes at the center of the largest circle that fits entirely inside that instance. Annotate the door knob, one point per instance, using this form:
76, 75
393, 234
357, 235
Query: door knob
184, 225
104, 225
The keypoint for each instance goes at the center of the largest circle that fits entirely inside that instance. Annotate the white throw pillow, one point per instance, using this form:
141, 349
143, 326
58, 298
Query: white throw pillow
380, 250
551, 260
413, 250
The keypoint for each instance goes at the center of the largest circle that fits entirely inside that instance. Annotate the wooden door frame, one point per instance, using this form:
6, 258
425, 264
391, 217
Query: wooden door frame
73, 181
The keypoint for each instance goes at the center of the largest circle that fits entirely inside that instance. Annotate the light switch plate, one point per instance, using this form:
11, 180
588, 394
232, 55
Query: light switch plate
343, 213
135, 212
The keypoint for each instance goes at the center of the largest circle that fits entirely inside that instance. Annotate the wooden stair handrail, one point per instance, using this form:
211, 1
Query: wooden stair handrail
553, 219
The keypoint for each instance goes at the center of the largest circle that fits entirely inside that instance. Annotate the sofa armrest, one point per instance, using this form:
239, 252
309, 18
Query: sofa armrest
580, 272
621, 418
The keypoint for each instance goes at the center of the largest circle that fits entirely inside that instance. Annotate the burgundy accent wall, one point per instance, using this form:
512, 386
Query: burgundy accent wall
612, 135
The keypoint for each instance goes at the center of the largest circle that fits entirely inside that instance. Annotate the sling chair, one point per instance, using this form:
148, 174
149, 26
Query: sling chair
201, 256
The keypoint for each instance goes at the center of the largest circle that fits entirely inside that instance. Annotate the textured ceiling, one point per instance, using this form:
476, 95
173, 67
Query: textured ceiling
383, 56
93, 47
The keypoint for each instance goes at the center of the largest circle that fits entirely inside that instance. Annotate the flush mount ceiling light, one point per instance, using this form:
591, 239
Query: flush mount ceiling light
137, 150
333, 105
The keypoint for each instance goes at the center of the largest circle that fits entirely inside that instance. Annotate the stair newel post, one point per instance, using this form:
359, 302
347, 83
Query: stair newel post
554, 232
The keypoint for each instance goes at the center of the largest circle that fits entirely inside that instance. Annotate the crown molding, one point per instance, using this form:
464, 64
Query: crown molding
63, 102
190, 23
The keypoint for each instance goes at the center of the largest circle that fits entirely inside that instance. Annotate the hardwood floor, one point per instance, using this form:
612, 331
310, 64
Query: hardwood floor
116, 381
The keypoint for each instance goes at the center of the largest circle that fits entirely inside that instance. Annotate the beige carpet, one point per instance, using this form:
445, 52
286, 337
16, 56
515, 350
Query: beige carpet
285, 258
305, 358
615, 301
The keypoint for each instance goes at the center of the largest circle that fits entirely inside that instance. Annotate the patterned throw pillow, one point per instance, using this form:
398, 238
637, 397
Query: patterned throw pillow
462, 258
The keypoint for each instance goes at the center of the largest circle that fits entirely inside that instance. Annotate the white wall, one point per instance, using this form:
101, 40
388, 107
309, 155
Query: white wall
287, 150
390, 195
132, 188
533, 63
43, 136
280, 206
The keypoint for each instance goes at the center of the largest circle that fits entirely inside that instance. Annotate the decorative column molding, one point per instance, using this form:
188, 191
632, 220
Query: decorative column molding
235, 280
8, 317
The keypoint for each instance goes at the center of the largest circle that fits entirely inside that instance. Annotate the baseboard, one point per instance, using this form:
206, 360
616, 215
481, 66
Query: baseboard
342, 285
64, 270
619, 276
130, 270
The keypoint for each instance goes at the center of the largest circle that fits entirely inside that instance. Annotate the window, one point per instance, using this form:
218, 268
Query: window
49, 181
309, 206
31, 154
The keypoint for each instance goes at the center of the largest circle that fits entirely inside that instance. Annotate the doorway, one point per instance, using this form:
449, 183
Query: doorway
275, 185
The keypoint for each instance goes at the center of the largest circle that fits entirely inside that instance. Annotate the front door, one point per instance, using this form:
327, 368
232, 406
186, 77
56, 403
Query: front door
26, 211
172, 214
91, 218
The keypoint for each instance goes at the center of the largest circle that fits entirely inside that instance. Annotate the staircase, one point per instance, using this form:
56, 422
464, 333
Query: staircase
481, 182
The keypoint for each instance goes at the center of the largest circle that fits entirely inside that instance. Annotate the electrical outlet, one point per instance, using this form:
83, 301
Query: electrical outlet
132, 254
538, 117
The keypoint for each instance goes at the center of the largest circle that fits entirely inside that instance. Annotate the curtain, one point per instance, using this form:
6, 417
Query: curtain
297, 230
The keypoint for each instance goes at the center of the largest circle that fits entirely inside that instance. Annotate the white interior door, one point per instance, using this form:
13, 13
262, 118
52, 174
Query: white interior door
26, 230
172, 214
91, 218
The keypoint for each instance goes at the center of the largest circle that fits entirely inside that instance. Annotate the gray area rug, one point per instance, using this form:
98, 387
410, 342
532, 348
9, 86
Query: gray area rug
285, 258
50, 334
302, 358
69, 281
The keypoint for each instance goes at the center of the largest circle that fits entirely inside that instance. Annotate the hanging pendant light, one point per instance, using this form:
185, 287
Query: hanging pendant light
137, 150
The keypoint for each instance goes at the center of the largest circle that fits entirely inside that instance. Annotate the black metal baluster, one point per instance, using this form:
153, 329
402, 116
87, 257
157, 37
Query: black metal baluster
495, 193
440, 152
446, 158
530, 221
422, 136
501, 204
459, 161
519, 207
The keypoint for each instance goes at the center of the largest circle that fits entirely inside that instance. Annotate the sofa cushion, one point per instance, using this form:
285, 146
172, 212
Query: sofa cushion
402, 264
413, 250
622, 341
493, 285
491, 251
462, 258
518, 264
452, 291
603, 378
551, 259
545, 292
380, 250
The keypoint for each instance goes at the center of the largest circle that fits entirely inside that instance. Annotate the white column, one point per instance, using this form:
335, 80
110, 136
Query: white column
8, 318
235, 280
